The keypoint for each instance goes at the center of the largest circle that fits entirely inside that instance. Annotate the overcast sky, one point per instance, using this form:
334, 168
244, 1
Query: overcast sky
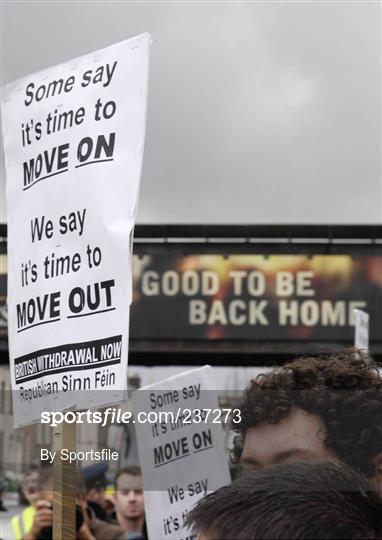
258, 112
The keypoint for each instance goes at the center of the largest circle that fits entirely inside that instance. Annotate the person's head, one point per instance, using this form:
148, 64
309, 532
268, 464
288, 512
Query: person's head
329, 407
316, 500
95, 482
30, 486
129, 493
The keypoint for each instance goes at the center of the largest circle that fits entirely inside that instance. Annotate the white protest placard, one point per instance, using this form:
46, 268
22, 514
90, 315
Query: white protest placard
181, 450
361, 330
73, 139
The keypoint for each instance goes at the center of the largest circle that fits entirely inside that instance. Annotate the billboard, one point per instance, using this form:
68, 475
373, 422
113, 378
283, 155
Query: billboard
255, 297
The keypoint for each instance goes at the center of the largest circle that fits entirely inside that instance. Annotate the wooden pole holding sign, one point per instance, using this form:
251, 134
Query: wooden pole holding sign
64, 484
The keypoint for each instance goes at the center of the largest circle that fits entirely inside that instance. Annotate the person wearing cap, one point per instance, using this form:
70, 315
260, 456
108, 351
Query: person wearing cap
95, 482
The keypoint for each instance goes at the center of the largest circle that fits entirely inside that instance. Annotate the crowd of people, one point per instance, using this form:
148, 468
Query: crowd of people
308, 464
102, 512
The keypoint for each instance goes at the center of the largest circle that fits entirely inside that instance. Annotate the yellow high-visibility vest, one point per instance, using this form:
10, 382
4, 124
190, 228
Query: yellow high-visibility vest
23, 523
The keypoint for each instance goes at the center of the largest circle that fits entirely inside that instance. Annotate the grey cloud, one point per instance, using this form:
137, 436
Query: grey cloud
258, 112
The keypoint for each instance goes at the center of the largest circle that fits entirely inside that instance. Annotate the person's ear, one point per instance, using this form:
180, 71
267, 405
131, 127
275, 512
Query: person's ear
377, 480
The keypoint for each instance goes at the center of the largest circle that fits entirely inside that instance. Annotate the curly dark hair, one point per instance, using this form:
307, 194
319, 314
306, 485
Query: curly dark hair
344, 390
315, 500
